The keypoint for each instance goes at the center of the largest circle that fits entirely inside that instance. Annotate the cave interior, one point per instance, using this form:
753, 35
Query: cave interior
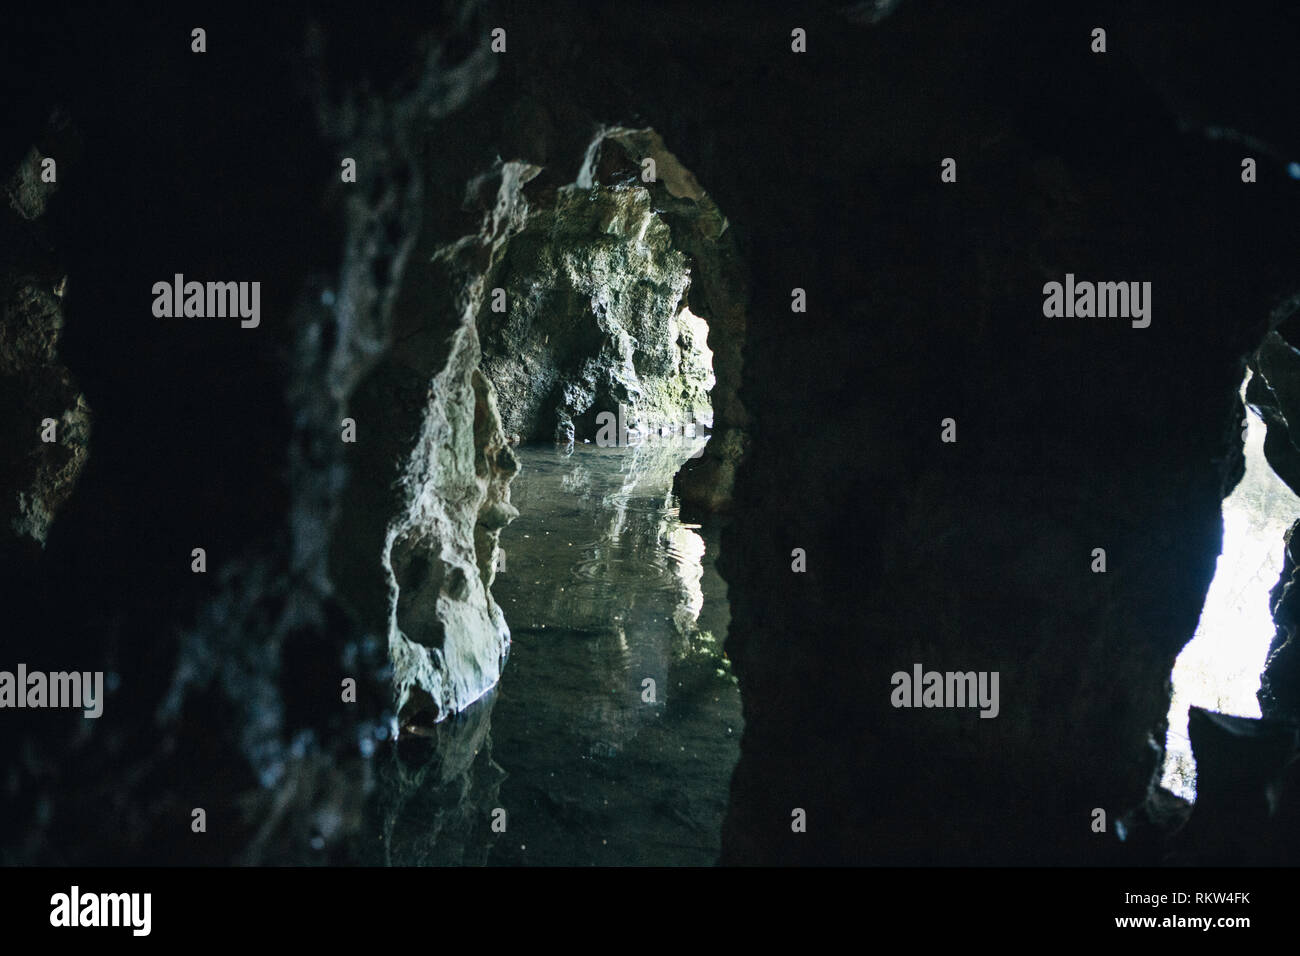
808, 282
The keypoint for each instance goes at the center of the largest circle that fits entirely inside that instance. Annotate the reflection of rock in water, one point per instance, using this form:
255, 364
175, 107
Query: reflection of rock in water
440, 789
603, 589
626, 540
595, 677
626, 574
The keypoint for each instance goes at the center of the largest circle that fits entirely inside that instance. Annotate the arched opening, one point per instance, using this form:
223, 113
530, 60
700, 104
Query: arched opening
608, 319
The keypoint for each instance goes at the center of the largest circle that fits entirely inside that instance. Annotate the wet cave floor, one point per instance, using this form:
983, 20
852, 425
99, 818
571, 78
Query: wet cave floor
576, 758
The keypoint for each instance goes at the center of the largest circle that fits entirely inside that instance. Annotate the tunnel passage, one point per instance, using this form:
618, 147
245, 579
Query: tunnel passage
617, 297
617, 721
622, 288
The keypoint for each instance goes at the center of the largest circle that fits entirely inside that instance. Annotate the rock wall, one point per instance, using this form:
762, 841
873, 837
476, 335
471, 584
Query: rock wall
46, 423
259, 689
1273, 392
447, 635
1072, 435
594, 287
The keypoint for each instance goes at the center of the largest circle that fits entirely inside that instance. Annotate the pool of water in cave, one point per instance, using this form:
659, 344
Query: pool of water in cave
569, 761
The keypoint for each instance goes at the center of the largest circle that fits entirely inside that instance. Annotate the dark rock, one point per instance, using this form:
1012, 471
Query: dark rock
36, 476
1245, 793
1279, 685
1275, 393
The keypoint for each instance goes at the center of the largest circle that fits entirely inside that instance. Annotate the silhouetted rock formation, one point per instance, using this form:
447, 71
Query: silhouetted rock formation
1246, 797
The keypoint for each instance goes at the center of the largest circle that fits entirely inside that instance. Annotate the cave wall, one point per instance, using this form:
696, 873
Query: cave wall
1072, 435
447, 636
226, 689
924, 303
1274, 393
596, 290
718, 293
45, 428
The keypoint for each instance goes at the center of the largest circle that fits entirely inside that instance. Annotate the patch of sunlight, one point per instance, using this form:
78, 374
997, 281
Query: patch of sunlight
1219, 668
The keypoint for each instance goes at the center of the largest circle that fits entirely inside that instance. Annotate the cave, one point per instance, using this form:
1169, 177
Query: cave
612, 404
601, 379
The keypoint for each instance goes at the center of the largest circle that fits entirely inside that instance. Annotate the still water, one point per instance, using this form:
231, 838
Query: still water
577, 754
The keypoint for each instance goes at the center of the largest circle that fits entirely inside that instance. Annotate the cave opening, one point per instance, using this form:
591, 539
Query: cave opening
615, 299
1219, 668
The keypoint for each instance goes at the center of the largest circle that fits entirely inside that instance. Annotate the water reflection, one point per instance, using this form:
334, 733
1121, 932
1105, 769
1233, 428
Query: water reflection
612, 736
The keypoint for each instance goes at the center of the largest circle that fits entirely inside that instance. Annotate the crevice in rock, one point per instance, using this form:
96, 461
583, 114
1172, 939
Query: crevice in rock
1230, 789
1219, 669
